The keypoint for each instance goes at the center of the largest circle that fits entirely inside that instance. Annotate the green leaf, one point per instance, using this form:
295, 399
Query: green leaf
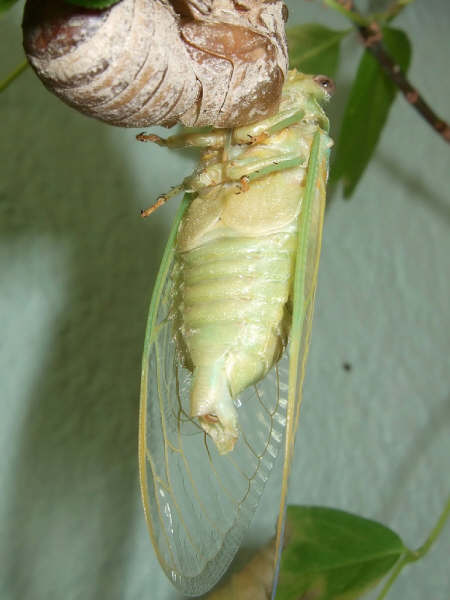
331, 554
314, 48
367, 109
6, 5
94, 4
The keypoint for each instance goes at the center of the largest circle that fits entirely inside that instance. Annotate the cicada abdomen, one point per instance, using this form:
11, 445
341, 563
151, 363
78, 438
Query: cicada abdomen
235, 289
235, 262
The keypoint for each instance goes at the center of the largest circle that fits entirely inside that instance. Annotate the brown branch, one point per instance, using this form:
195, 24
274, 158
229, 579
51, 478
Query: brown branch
372, 39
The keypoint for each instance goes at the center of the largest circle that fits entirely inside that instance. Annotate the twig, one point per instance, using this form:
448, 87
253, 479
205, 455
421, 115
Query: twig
372, 39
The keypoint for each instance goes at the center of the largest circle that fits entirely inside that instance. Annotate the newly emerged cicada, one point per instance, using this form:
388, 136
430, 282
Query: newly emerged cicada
228, 332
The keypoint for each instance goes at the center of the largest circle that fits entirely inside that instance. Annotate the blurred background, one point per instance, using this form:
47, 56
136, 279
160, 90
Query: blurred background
77, 266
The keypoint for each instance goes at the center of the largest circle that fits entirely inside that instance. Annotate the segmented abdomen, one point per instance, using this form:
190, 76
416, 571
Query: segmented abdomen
232, 318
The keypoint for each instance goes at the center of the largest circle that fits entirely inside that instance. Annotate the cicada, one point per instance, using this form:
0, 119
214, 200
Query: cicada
228, 331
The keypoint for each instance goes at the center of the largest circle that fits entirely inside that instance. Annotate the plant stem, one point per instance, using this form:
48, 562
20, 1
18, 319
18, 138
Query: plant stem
413, 555
394, 72
372, 39
435, 532
395, 573
13, 75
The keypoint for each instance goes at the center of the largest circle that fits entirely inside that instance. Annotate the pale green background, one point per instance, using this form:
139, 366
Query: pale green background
77, 268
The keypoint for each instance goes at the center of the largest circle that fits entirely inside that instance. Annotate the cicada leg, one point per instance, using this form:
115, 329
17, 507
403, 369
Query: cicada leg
216, 138
257, 132
252, 169
242, 171
211, 138
161, 200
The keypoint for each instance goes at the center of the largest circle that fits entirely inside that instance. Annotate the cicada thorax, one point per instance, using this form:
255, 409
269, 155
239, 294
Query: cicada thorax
235, 260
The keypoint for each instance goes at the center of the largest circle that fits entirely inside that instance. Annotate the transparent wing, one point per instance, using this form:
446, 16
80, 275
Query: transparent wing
307, 265
198, 503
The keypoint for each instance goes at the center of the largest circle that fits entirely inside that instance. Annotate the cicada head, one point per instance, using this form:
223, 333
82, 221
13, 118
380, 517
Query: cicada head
308, 93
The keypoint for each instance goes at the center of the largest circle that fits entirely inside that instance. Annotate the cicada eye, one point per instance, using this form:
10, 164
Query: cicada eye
325, 83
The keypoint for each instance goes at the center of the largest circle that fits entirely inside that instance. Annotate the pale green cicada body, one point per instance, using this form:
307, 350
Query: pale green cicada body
235, 290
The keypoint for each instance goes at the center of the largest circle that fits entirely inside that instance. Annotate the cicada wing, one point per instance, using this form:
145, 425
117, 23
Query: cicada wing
198, 504
307, 264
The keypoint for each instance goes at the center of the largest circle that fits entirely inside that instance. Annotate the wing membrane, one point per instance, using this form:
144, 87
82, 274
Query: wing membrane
307, 265
198, 504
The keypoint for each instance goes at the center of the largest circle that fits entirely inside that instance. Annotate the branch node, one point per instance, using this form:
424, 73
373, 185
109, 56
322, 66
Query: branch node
371, 35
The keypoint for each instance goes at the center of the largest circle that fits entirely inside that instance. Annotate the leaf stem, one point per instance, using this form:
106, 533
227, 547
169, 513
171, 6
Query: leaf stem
13, 75
371, 34
434, 534
413, 555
